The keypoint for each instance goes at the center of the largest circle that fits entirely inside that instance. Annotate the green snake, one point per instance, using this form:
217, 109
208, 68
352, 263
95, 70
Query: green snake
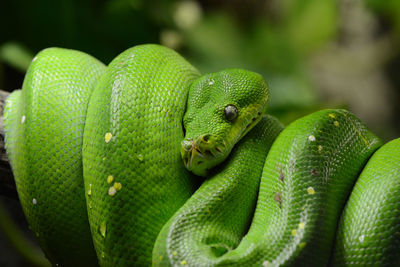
147, 162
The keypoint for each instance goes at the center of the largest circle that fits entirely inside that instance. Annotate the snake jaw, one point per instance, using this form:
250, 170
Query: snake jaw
202, 153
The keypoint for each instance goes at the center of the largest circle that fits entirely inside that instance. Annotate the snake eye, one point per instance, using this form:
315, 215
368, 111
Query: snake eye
231, 112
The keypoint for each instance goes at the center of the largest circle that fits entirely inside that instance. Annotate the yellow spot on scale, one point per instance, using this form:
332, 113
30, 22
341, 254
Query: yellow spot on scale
183, 262
302, 245
110, 179
89, 192
362, 137
104, 159
311, 138
117, 186
360, 134
294, 232
265, 264
332, 115
102, 229
103, 255
112, 191
174, 253
310, 191
336, 123
140, 157
301, 225
108, 137
319, 148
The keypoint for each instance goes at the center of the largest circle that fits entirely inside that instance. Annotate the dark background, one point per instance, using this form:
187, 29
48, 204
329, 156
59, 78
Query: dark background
314, 54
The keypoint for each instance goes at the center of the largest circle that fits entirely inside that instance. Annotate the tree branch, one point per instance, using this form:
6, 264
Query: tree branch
7, 183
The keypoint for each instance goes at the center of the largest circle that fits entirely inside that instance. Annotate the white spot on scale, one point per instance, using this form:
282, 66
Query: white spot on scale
265, 263
112, 191
211, 82
34, 201
361, 238
23, 119
311, 138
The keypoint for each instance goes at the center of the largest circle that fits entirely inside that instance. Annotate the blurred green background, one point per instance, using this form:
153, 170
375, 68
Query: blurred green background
314, 54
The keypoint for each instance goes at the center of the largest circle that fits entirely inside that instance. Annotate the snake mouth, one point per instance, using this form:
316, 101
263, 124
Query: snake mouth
253, 122
202, 153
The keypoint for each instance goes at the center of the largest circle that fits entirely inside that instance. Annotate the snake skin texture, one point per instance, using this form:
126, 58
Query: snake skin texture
146, 162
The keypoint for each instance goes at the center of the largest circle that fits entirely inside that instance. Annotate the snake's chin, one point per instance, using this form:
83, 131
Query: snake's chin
202, 153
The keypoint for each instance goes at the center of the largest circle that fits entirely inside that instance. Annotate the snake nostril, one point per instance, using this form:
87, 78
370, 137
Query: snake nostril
205, 138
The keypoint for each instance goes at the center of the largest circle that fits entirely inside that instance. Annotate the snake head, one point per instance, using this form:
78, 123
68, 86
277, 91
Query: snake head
221, 108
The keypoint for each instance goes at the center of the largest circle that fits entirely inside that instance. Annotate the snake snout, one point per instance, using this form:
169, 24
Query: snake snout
187, 148
198, 152
187, 145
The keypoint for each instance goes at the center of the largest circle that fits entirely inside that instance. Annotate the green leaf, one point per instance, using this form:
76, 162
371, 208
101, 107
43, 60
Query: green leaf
16, 56
311, 24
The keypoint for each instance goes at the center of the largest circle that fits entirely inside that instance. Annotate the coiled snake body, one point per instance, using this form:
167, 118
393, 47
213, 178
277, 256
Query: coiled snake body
104, 169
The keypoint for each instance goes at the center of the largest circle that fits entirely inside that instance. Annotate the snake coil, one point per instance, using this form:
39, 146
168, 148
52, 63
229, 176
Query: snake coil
105, 169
